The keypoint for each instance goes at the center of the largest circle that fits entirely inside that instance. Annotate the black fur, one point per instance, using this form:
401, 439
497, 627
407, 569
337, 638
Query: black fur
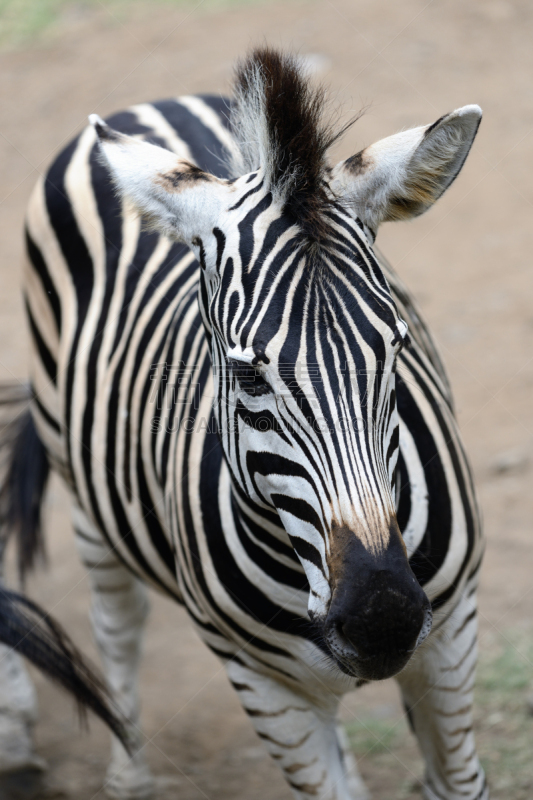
24, 482
299, 135
31, 632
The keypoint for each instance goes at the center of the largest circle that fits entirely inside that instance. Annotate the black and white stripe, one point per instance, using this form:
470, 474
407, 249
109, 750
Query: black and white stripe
219, 415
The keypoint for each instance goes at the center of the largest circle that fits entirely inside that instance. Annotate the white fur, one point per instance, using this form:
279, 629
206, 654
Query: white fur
437, 686
409, 164
119, 610
249, 127
138, 167
391, 166
255, 148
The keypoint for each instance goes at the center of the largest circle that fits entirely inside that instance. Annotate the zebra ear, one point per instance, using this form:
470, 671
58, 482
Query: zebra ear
402, 176
176, 197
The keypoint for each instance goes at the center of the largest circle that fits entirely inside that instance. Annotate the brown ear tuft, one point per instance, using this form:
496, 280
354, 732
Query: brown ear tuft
182, 177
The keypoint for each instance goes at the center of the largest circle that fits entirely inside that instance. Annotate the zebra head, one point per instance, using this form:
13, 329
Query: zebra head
305, 336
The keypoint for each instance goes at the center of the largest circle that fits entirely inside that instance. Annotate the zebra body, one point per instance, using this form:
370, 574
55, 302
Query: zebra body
143, 421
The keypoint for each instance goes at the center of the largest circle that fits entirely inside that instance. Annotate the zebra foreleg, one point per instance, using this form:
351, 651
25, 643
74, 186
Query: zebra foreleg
304, 738
438, 693
119, 610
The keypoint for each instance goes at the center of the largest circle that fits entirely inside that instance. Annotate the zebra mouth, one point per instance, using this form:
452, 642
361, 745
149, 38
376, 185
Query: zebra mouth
377, 655
319, 637
369, 667
345, 668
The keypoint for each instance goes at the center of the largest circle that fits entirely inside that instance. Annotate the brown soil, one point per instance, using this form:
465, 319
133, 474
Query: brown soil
468, 262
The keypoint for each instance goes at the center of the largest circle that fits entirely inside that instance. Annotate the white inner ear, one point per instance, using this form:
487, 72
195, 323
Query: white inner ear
403, 175
177, 199
443, 150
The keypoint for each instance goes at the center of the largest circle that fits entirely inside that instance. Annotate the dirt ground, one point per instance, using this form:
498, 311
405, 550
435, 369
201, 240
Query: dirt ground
468, 262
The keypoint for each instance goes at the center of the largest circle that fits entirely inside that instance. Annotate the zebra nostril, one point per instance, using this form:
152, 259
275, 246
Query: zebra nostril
341, 639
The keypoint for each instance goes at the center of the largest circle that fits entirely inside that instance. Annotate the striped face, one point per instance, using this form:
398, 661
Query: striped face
304, 346
304, 337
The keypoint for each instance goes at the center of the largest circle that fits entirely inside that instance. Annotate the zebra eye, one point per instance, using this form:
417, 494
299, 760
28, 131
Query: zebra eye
401, 337
400, 342
405, 342
250, 380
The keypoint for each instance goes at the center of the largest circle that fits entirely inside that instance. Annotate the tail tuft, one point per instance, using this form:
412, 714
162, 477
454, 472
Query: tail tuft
24, 471
30, 631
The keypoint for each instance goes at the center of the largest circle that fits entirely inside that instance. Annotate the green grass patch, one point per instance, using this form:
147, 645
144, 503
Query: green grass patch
21, 20
503, 720
371, 737
505, 668
386, 754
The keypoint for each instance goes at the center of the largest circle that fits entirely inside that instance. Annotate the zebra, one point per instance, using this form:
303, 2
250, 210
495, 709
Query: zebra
251, 417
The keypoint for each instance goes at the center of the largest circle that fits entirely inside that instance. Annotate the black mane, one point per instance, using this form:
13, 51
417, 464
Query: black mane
279, 122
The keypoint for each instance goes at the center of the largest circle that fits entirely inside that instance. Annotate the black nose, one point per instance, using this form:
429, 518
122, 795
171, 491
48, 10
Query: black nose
376, 636
378, 614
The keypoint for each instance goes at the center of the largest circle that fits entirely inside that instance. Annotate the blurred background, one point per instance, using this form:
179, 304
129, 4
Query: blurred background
468, 263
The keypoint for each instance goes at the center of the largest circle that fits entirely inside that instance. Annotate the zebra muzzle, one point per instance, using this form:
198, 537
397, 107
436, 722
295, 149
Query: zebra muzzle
379, 614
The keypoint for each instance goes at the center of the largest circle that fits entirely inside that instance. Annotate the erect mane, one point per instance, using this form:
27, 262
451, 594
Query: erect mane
278, 122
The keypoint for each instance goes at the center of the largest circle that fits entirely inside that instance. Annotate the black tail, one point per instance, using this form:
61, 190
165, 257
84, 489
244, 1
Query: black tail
31, 632
24, 474
26, 628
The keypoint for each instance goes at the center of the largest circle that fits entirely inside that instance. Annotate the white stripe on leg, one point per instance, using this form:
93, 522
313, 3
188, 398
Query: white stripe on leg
119, 610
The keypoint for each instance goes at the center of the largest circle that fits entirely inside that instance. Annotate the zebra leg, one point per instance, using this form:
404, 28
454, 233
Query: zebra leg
303, 737
438, 694
119, 610
18, 714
